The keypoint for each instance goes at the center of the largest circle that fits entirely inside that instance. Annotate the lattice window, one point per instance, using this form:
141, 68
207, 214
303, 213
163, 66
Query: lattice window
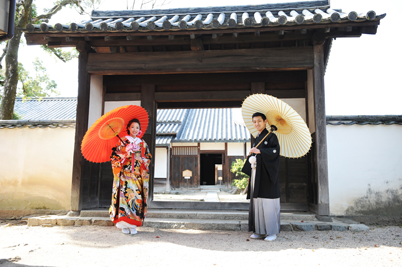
185, 150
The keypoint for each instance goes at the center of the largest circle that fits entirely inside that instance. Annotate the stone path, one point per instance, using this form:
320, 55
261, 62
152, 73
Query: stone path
201, 220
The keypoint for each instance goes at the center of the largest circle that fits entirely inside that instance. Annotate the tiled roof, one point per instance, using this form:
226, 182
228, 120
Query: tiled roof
365, 120
169, 121
212, 125
163, 140
173, 125
47, 108
267, 15
171, 115
11, 124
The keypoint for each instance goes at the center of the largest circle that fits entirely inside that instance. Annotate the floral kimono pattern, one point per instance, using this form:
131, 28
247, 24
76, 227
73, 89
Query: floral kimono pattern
130, 181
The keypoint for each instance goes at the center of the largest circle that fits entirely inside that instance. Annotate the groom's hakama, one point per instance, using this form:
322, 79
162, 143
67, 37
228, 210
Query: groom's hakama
263, 189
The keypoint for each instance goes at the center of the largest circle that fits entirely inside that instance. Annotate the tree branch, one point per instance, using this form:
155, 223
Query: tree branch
56, 9
54, 52
25, 14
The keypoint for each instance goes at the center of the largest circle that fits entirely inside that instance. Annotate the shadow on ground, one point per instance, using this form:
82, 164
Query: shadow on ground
237, 241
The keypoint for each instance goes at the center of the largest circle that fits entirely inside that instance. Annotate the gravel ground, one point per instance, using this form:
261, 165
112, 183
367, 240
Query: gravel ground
107, 246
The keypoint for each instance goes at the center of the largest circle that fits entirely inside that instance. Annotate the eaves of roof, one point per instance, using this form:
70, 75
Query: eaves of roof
307, 13
365, 120
32, 124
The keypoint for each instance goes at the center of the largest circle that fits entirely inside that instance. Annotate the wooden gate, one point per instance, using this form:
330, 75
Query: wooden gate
184, 158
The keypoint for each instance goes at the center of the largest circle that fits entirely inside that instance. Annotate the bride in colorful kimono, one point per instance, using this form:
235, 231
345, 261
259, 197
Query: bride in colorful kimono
130, 163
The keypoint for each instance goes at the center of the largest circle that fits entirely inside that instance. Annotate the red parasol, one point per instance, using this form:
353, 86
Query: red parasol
104, 133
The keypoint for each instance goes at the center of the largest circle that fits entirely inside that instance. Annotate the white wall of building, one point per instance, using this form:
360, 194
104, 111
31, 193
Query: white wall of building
365, 169
161, 161
95, 99
248, 148
298, 104
110, 105
212, 146
36, 168
235, 149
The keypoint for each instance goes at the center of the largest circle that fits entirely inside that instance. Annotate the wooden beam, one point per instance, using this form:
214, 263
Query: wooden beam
320, 131
273, 80
258, 88
149, 104
83, 47
211, 104
196, 44
103, 50
286, 93
115, 49
266, 37
80, 128
122, 96
197, 87
32, 38
201, 96
295, 58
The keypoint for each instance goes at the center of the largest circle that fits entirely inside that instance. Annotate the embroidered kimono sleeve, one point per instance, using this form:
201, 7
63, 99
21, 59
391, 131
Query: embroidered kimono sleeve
119, 154
145, 154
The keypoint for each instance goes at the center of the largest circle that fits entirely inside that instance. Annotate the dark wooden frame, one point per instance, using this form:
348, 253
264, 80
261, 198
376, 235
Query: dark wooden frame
266, 50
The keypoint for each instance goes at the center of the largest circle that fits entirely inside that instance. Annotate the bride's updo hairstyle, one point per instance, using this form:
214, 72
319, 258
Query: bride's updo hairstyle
131, 122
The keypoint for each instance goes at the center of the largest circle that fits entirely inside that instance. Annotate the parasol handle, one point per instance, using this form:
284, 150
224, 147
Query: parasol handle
124, 143
273, 128
116, 134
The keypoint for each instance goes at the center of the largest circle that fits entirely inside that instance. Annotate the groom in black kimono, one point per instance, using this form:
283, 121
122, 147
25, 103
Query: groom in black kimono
263, 190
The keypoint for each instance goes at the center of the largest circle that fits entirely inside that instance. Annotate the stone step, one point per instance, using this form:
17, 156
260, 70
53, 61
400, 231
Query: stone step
197, 224
204, 215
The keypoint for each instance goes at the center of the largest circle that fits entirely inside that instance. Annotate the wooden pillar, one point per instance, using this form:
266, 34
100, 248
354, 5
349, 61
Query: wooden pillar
81, 125
149, 104
199, 164
318, 111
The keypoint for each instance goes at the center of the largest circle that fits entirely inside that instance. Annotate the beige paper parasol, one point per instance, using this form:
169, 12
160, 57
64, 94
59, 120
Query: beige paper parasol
293, 134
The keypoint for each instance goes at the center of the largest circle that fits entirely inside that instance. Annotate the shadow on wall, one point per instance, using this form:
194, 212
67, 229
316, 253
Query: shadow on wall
378, 203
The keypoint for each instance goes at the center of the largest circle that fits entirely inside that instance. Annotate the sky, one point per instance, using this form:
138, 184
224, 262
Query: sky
362, 77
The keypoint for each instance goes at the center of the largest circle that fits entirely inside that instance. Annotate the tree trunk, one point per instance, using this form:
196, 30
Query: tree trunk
11, 74
11, 77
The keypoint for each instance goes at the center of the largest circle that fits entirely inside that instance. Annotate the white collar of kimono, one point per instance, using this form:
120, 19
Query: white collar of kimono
135, 140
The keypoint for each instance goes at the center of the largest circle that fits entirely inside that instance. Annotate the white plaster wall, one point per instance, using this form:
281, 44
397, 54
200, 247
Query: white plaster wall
110, 105
235, 149
248, 148
364, 168
36, 168
298, 104
212, 146
95, 99
184, 144
161, 161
